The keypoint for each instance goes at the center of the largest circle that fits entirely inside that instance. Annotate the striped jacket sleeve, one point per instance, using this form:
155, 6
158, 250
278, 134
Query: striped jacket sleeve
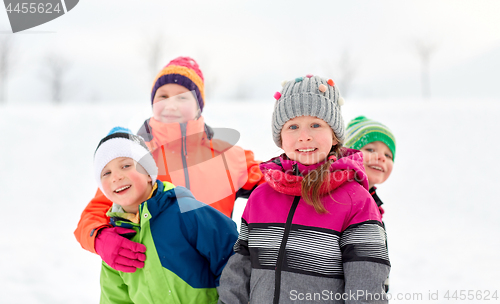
235, 280
364, 254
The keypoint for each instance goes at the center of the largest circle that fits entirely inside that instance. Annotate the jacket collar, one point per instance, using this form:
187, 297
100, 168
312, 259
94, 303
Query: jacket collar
350, 160
116, 211
377, 199
172, 134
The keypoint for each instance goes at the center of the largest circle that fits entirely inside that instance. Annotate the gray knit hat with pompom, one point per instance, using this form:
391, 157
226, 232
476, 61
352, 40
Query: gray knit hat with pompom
308, 96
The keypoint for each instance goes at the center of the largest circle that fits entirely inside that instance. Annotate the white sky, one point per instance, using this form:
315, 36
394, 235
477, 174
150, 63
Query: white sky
246, 48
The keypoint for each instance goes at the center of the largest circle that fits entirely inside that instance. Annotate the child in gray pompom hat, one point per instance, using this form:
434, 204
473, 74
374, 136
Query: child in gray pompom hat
303, 97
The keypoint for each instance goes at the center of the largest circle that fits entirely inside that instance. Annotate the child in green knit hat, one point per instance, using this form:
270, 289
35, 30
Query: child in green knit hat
378, 145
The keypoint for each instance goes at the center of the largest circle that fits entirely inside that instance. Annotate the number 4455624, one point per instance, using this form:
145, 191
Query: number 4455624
42, 8
477, 295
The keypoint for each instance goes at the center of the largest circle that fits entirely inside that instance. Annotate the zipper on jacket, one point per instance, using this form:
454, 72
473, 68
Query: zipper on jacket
281, 253
296, 171
184, 154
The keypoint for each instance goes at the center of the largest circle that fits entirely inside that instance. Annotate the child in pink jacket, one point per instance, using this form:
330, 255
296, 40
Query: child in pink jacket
312, 232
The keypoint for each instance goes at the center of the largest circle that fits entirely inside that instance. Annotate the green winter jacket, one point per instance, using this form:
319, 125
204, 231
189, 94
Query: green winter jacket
188, 244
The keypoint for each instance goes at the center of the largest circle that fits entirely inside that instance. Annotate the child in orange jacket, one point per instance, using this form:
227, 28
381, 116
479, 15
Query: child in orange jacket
186, 154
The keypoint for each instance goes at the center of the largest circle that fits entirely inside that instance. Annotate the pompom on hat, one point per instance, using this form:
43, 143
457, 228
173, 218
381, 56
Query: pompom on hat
308, 96
183, 71
121, 142
362, 131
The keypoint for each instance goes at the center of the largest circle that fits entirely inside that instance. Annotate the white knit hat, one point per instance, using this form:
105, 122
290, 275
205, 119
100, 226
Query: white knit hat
308, 96
121, 142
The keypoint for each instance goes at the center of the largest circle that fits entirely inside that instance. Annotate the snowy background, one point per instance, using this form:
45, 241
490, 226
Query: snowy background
441, 201
109, 51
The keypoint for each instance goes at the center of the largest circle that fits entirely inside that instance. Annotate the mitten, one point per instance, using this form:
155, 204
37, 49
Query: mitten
119, 252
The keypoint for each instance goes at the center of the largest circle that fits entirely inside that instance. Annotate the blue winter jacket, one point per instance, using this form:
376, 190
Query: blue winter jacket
188, 244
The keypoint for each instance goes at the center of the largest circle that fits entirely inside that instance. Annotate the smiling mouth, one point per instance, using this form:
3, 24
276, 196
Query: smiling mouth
122, 189
377, 168
307, 150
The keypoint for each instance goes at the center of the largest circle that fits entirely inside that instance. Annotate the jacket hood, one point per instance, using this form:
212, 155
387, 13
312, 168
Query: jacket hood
280, 171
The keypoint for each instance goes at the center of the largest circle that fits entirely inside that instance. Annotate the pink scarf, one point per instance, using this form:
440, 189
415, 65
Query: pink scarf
291, 184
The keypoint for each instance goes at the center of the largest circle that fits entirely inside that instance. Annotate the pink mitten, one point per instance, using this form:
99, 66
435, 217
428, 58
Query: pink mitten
118, 252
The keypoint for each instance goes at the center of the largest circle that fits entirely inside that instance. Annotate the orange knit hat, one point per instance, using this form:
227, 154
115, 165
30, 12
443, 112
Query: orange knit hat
185, 72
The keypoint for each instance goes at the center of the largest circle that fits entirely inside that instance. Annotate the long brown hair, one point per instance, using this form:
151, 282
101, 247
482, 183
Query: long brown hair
314, 180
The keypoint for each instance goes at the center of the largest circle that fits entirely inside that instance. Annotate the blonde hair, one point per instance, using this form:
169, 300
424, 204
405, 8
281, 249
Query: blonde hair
314, 180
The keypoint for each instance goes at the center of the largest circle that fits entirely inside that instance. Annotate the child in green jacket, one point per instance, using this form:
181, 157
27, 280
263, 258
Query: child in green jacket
188, 241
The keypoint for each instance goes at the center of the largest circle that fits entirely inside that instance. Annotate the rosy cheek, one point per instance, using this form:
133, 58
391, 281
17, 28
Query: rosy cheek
366, 155
105, 187
156, 111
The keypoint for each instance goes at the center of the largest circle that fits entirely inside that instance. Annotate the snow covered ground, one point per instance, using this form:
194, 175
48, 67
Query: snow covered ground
441, 202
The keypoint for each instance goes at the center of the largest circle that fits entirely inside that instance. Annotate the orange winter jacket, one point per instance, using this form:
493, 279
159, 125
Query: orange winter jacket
215, 171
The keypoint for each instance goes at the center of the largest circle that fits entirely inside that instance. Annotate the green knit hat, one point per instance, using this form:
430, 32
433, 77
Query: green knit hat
362, 131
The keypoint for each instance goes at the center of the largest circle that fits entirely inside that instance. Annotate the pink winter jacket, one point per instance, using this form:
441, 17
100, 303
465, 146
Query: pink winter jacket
286, 249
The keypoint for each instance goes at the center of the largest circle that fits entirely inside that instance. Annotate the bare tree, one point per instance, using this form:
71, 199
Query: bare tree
155, 53
342, 71
155, 49
6, 50
56, 70
243, 90
347, 70
209, 73
425, 49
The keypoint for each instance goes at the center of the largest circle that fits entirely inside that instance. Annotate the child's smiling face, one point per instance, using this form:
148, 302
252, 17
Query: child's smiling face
174, 103
377, 159
126, 183
307, 139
